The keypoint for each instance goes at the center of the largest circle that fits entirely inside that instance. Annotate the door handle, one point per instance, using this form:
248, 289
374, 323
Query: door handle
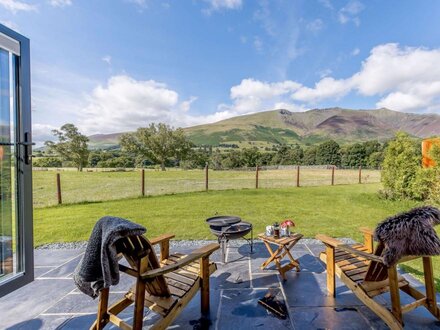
27, 144
27, 147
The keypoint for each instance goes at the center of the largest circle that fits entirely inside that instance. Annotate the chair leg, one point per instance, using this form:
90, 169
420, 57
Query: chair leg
102, 317
396, 308
204, 285
331, 280
431, 298
139, 301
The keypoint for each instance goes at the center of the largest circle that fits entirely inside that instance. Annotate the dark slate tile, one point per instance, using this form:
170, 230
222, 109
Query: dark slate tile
79, 322
79, 303
256, 264
309, 289
373, 320
240, 310
265, 280
327, 318
191, 318
64, 270
232, 275
38, 271
236, 257
316, 249
32, 299
41, 322
309, 263
54, 257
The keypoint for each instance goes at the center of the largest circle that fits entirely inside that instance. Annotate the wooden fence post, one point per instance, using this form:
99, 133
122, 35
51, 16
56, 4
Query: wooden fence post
360, 173
256, 177
333, 175
60, 200
143, 182
206, 176
297, 176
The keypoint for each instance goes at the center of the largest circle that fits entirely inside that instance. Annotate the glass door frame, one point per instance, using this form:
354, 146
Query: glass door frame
18, 45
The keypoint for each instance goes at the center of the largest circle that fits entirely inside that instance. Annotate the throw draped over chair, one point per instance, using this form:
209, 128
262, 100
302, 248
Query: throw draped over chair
164, 285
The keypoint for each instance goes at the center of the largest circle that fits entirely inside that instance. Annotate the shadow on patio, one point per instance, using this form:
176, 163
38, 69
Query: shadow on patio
53, 302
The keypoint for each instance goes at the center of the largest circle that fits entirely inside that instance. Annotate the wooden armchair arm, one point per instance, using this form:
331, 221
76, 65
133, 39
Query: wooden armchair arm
368, 238
200, 253
164, 241
334, 243
366, 231
161, 238
327, 240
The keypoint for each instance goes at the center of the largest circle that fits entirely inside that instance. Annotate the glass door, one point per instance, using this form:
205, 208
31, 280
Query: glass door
16, 250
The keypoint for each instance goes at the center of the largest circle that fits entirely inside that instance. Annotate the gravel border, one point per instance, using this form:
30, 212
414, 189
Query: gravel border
182, 244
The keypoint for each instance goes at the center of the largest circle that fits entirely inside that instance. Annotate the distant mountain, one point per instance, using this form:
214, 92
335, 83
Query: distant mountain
309, 127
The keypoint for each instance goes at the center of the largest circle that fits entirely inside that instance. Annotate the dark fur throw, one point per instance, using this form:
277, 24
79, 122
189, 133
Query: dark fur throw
409, 233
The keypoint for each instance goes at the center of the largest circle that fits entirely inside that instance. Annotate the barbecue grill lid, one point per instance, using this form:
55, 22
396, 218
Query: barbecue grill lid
223, 220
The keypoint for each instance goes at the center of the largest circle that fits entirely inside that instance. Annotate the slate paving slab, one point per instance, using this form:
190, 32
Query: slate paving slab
235, 289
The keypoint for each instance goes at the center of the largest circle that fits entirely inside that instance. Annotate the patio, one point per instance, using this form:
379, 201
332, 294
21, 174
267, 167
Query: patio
53, 302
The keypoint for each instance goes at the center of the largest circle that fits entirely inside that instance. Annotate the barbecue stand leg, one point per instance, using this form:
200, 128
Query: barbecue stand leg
223, 245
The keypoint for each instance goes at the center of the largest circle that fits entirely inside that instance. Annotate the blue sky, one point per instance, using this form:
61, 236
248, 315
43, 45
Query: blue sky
110, 66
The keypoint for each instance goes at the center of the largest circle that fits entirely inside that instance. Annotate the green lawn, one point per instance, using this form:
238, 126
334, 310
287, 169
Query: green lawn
101, 186
337, 211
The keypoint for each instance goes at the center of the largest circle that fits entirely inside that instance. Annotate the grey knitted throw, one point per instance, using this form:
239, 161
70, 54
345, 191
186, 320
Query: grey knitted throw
98, 267
409, 233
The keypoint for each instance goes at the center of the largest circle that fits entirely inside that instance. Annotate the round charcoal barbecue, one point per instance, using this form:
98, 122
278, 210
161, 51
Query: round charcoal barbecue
227, 227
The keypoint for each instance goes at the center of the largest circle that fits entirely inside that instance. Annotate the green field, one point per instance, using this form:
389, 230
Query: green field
101, 186
337, 211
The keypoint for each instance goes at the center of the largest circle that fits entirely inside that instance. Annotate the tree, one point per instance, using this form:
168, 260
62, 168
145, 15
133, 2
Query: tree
287, 155
328, 153
310, 156
250, 157
354, 155
158, 142
375, 160
47, 162
71, 146
400, 166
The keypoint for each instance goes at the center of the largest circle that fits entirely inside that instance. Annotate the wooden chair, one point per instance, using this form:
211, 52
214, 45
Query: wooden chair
363, 272
164, 286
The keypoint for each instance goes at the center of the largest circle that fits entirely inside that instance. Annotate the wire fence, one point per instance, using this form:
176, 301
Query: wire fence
57, 186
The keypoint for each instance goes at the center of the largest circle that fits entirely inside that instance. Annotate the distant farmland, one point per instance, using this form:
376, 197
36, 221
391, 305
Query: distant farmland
96, 186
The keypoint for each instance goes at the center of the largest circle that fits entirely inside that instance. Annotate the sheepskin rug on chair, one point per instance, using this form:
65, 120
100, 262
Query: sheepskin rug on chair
409, 233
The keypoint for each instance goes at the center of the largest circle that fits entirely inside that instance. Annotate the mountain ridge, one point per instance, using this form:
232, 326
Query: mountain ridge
283, 126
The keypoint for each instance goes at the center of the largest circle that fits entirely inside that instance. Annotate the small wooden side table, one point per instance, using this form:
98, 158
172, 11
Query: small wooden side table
285, 244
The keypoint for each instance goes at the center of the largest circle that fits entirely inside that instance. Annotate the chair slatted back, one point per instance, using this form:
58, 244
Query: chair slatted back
377, 271
134, 248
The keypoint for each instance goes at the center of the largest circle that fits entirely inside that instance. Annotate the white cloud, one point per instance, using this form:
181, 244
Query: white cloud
142, 4
254, 96
60, 3
327, 87
355, 52
42, 133
405, 79
16, 6
326, 3
186, 105
325, 73
281, 24
125, 103
215, 5
258, 44
107, 59
350, 12
315, 25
